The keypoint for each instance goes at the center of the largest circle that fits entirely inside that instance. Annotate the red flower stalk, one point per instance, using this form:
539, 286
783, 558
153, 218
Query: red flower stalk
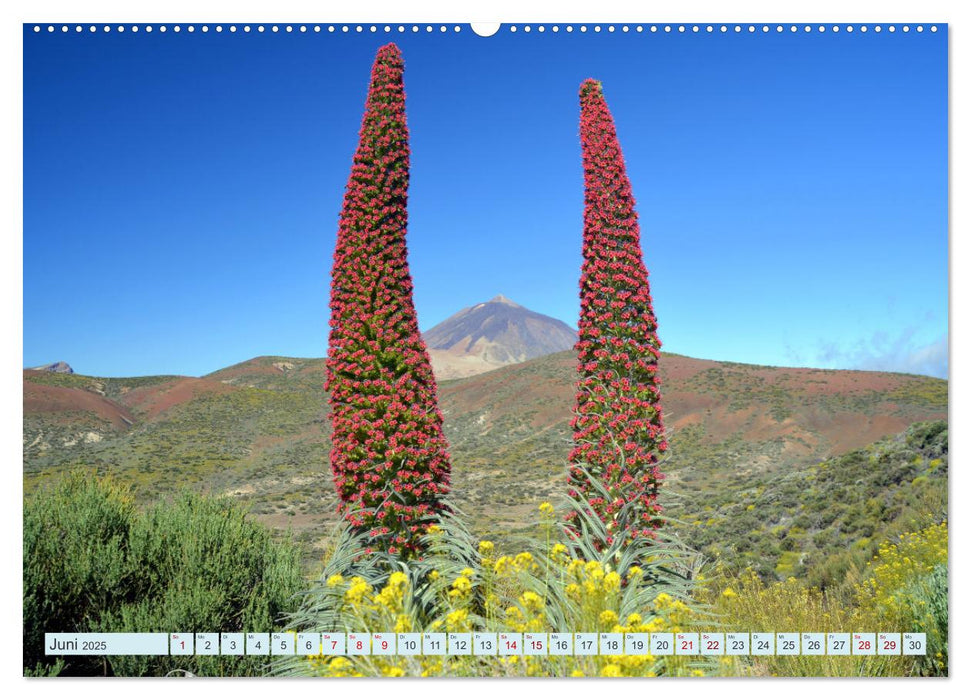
389, 454
617, 429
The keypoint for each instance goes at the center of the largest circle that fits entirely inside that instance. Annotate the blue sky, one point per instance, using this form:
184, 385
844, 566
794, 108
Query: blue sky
181, 191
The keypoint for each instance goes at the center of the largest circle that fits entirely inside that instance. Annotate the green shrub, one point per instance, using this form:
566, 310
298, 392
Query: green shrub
74, 560
92, 563
926, 600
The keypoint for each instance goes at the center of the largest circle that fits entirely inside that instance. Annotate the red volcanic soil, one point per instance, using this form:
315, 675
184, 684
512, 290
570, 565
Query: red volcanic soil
677, 368
822, 381
150, 401
850, 431
543, 389
41, 398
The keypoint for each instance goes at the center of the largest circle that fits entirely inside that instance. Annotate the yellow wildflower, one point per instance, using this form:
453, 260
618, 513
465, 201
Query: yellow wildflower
662, 600
457, 620
608, 618
392, 595
594, 569
523, 560
402, 624
341, 667
431, 668
531, 601
358, 590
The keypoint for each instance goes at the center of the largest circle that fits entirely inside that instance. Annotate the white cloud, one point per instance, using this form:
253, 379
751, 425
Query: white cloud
887, 354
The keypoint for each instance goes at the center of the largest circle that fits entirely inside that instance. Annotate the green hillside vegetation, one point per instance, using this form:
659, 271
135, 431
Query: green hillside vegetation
903, 587
782, 526
93, 562
815, 523
871, 553
259, 432
110, 387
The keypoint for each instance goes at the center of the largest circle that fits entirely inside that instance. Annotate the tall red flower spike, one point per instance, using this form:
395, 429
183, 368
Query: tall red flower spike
389, 456
617, 430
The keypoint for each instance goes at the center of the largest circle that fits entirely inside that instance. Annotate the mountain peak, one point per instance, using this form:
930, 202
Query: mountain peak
493, 334
59, 367
501, 299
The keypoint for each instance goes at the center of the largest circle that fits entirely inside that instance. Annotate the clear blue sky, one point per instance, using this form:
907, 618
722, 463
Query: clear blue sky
181, 192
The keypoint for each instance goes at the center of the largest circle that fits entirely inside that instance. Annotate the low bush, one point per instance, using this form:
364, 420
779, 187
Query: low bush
93, 563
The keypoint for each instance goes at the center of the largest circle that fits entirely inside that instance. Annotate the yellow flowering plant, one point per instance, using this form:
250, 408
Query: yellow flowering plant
461, 584
903, 588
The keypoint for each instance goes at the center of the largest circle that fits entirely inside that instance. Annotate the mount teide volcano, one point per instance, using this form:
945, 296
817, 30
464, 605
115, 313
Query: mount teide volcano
493, 334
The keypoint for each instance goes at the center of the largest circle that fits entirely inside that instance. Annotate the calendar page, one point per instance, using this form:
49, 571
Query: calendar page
342, 347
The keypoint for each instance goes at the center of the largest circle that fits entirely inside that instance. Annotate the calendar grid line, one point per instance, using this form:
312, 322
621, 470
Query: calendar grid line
331, 644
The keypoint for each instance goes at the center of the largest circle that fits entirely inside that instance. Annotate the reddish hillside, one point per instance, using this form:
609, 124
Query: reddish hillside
260, 430
65, 403
274, 373
812, 411
150, 401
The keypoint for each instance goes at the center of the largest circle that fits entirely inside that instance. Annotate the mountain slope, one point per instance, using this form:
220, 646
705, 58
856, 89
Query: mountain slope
493, 334
260, 431
791, 522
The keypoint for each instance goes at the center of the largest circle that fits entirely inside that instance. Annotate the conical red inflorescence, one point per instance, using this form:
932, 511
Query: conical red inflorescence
389, 457
618, 434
